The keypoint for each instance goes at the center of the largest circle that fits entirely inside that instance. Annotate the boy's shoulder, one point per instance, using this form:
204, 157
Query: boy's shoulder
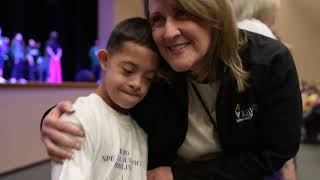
85, 105
88, 111
87, 101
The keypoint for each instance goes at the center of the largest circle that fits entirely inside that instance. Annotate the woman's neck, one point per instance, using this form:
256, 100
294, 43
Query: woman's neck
200, 72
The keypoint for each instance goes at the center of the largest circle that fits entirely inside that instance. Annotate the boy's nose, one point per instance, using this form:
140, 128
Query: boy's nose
136, 83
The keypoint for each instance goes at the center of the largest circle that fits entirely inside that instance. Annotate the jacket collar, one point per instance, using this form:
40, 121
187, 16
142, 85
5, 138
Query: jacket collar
180, 88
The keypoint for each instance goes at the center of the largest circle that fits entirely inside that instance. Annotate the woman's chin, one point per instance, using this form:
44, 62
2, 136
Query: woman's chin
180, 68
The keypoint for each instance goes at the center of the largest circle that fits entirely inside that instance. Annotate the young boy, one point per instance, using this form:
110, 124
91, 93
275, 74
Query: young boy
115, 147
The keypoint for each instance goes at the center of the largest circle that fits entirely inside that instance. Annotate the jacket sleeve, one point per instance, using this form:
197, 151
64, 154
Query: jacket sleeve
45, 114
277, 130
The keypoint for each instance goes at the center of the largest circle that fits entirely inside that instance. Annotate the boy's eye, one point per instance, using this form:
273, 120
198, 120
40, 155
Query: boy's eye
157, 21
127, 70
149, 79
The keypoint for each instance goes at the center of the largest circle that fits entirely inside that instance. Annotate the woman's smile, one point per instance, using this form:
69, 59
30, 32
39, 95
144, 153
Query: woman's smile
178, 46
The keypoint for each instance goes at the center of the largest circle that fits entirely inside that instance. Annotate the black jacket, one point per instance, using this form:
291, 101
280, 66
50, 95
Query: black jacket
259, 129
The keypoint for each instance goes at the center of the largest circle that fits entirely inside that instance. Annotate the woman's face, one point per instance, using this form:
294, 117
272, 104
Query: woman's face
182, 42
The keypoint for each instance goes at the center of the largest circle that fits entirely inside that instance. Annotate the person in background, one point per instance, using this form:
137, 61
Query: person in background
5, 53
257, 16
228, 107
311, 116
115, 146
85, 75
43, 68
1, 37
93, 54
312, 126
18, 55
54, 52
33, 53
2, 58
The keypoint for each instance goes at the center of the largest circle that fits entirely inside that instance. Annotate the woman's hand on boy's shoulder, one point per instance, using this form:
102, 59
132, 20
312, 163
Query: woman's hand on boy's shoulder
57, 134
160, 173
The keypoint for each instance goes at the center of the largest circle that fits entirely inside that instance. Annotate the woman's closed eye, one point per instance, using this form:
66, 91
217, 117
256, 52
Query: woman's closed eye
157, 21
180, 14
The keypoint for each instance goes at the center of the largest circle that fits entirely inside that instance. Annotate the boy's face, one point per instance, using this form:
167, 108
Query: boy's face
128, 73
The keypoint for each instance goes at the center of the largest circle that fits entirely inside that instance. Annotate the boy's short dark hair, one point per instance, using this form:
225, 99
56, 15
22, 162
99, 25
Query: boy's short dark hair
136, 30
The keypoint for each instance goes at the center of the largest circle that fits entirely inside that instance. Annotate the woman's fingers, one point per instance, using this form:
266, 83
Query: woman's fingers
151, 175
61, 138
57, 160
53, 120
65, 107
160, 173
56, 153
62, 126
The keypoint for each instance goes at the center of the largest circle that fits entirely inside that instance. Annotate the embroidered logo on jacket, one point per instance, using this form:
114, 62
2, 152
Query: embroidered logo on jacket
244, 114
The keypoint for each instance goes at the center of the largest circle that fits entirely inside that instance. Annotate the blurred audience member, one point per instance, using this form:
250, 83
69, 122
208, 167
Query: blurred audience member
18, 54
2, 79
33, 53
5, 55
42, 68
54, 51
257, 15
1, 37
85, 75
311, 111
93, 54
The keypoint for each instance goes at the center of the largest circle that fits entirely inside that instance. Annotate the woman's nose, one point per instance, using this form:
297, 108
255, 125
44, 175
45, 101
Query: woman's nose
171, 29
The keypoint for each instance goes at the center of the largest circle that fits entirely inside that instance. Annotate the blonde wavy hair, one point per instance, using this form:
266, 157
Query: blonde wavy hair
219, 16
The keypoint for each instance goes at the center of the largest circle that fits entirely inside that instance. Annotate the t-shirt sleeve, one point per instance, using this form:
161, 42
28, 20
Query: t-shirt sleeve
80, 165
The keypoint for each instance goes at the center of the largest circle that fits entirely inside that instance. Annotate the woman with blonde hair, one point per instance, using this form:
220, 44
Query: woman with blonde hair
228, 106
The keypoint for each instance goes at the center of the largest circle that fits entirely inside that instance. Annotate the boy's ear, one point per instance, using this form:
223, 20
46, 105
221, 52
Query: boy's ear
103, 57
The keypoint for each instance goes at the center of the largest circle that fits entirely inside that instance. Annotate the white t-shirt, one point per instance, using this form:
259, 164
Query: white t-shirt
114, 148
256, 26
